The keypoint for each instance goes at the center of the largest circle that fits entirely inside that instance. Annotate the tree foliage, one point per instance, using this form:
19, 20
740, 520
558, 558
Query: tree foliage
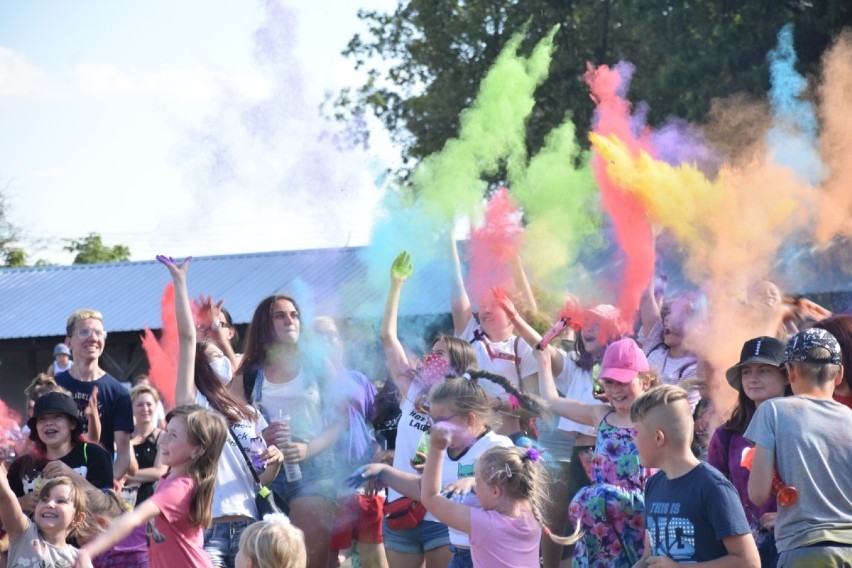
425, 60
91, 250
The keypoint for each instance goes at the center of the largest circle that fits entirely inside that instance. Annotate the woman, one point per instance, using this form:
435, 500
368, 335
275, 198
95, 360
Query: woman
279, 379
197, 383
146, 434
758, 376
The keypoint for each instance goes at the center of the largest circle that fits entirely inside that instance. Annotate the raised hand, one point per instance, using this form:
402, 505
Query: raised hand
504, 302
177, 271
402, 268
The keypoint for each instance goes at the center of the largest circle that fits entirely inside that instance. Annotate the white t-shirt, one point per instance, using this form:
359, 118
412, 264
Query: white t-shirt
576, 384
235, 489
503, 362
672, 370
463, 466
411, 426
300, 399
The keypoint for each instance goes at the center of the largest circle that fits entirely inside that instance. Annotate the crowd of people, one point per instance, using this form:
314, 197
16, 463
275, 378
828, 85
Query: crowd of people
590, 444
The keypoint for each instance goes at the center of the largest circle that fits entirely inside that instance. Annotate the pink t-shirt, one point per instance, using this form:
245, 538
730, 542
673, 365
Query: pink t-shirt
180, 544
497, 540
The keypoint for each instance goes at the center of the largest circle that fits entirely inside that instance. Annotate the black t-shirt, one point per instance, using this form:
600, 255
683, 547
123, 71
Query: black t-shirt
89, 460
113, 405
687, 517
146, 455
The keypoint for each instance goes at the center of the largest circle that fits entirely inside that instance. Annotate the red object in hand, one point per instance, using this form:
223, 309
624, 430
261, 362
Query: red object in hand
785, 495
555, 331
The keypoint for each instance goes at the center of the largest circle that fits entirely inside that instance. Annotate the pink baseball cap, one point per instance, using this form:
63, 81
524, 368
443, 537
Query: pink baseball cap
623, 360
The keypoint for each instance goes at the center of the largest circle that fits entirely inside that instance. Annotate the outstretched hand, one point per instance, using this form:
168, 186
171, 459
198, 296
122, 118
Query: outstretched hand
504, 302
207, 312
402, 268
177, 271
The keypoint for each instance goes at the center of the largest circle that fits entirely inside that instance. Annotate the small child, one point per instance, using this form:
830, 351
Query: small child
182, 503
61, 360
103, 507
42, 542
511, 488
808, 437
692, 513
272, 543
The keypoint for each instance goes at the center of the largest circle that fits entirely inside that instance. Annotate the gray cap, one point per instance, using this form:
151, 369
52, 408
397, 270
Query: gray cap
61, 348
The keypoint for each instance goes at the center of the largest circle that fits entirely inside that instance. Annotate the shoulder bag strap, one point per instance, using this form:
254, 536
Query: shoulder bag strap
245, 456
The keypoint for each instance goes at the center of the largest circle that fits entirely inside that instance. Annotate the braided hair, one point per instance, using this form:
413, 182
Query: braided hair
527, 402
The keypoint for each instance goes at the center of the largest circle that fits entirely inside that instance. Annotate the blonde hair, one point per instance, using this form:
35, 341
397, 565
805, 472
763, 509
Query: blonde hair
666, 407
524, 477
144, 389
274, 543
99, 503
81, 315
78, 499
206, 429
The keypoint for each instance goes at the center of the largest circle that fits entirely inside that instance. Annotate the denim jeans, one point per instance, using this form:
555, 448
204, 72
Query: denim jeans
461, 558
222, 541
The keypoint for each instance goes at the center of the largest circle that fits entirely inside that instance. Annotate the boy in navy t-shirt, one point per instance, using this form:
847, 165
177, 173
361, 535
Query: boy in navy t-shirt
692, 513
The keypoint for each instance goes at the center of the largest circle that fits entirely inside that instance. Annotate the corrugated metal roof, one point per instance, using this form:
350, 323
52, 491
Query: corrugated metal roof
35, 301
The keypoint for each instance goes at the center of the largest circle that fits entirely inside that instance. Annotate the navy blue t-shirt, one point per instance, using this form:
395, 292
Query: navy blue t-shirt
688, 517
113, 405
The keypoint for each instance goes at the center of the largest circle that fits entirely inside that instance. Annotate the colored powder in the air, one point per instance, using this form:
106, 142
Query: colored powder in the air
162, 353
632, 230
678, 142
560, 207
793, 136
494, 246
492, 129
834, 214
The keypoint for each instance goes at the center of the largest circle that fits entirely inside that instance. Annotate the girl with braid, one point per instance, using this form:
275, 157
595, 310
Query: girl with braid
460, 405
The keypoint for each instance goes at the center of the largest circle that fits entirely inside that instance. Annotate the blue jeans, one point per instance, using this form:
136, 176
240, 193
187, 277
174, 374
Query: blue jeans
222, 541
461, 558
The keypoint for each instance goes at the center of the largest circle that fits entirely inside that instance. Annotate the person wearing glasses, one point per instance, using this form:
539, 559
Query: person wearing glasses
85, 380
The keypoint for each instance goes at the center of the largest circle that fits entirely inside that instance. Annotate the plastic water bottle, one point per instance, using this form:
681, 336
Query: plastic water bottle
291, 470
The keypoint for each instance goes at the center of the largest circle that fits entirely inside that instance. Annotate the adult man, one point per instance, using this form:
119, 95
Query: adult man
85, 379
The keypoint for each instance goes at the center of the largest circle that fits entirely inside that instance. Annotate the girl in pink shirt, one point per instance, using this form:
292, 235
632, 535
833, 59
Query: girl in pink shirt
510, 485
182, 503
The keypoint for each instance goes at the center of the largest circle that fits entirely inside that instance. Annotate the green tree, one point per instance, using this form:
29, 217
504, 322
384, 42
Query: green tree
425, 60
91, 250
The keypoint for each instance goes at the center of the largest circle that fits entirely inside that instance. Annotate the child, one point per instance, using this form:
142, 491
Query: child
808, 438
102, 508
41, 542
511, 488
463, 404
610, 510
61, 360
272, 543
692, 513
182, 503
758, 377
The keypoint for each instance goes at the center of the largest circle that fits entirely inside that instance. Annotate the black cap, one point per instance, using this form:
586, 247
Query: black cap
762, 350
55, 403
799, 346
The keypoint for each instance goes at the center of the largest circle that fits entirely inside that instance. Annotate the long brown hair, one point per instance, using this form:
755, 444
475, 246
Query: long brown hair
207, 430
211, 386
261, 333
461, 353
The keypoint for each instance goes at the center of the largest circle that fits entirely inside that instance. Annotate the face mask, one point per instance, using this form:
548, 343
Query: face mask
434, 368
222, 367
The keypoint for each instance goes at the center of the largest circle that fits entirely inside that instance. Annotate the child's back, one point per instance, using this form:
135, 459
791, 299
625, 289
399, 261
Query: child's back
812, 439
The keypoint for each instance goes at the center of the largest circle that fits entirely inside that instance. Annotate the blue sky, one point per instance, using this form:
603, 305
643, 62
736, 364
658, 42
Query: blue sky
155, 125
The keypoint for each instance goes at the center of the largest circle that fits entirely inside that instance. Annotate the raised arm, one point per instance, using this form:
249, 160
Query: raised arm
399, 367
452, 514
116, 532
524, 330
581, 412
461, 309
185, 392
11, 515
649, 310
209, 315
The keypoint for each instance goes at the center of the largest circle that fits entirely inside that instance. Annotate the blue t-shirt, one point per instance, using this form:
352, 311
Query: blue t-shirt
687, 517
113, 405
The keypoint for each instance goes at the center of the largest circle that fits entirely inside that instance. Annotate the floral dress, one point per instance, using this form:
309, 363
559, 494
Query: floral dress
611, 509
